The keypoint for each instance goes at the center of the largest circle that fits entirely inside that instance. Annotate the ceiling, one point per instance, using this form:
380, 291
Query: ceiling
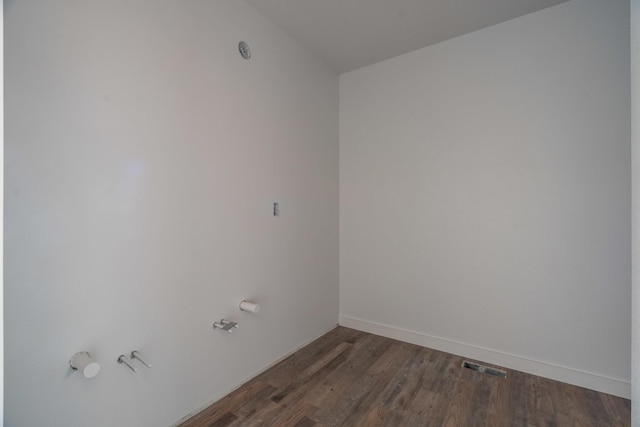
350, 34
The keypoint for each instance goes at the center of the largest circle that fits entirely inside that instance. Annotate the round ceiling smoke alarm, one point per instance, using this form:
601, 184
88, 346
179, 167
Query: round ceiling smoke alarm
243, 47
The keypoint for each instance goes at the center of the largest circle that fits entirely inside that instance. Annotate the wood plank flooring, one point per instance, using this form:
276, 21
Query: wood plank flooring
351, 378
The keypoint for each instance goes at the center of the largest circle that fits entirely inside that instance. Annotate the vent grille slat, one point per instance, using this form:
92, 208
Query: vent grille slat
484, 369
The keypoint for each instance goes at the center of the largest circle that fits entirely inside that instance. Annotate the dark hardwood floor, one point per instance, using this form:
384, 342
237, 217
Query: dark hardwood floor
351, 378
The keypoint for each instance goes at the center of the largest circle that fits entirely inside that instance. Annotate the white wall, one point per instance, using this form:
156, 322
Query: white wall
485, 195
635, 146
143, 155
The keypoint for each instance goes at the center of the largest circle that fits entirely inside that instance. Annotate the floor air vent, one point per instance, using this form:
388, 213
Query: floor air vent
484, 369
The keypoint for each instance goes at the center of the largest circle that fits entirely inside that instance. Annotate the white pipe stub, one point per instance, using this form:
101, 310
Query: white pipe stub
83, 362
249, 306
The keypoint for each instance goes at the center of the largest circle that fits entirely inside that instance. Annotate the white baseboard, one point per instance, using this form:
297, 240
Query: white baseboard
588, 380
250, 377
